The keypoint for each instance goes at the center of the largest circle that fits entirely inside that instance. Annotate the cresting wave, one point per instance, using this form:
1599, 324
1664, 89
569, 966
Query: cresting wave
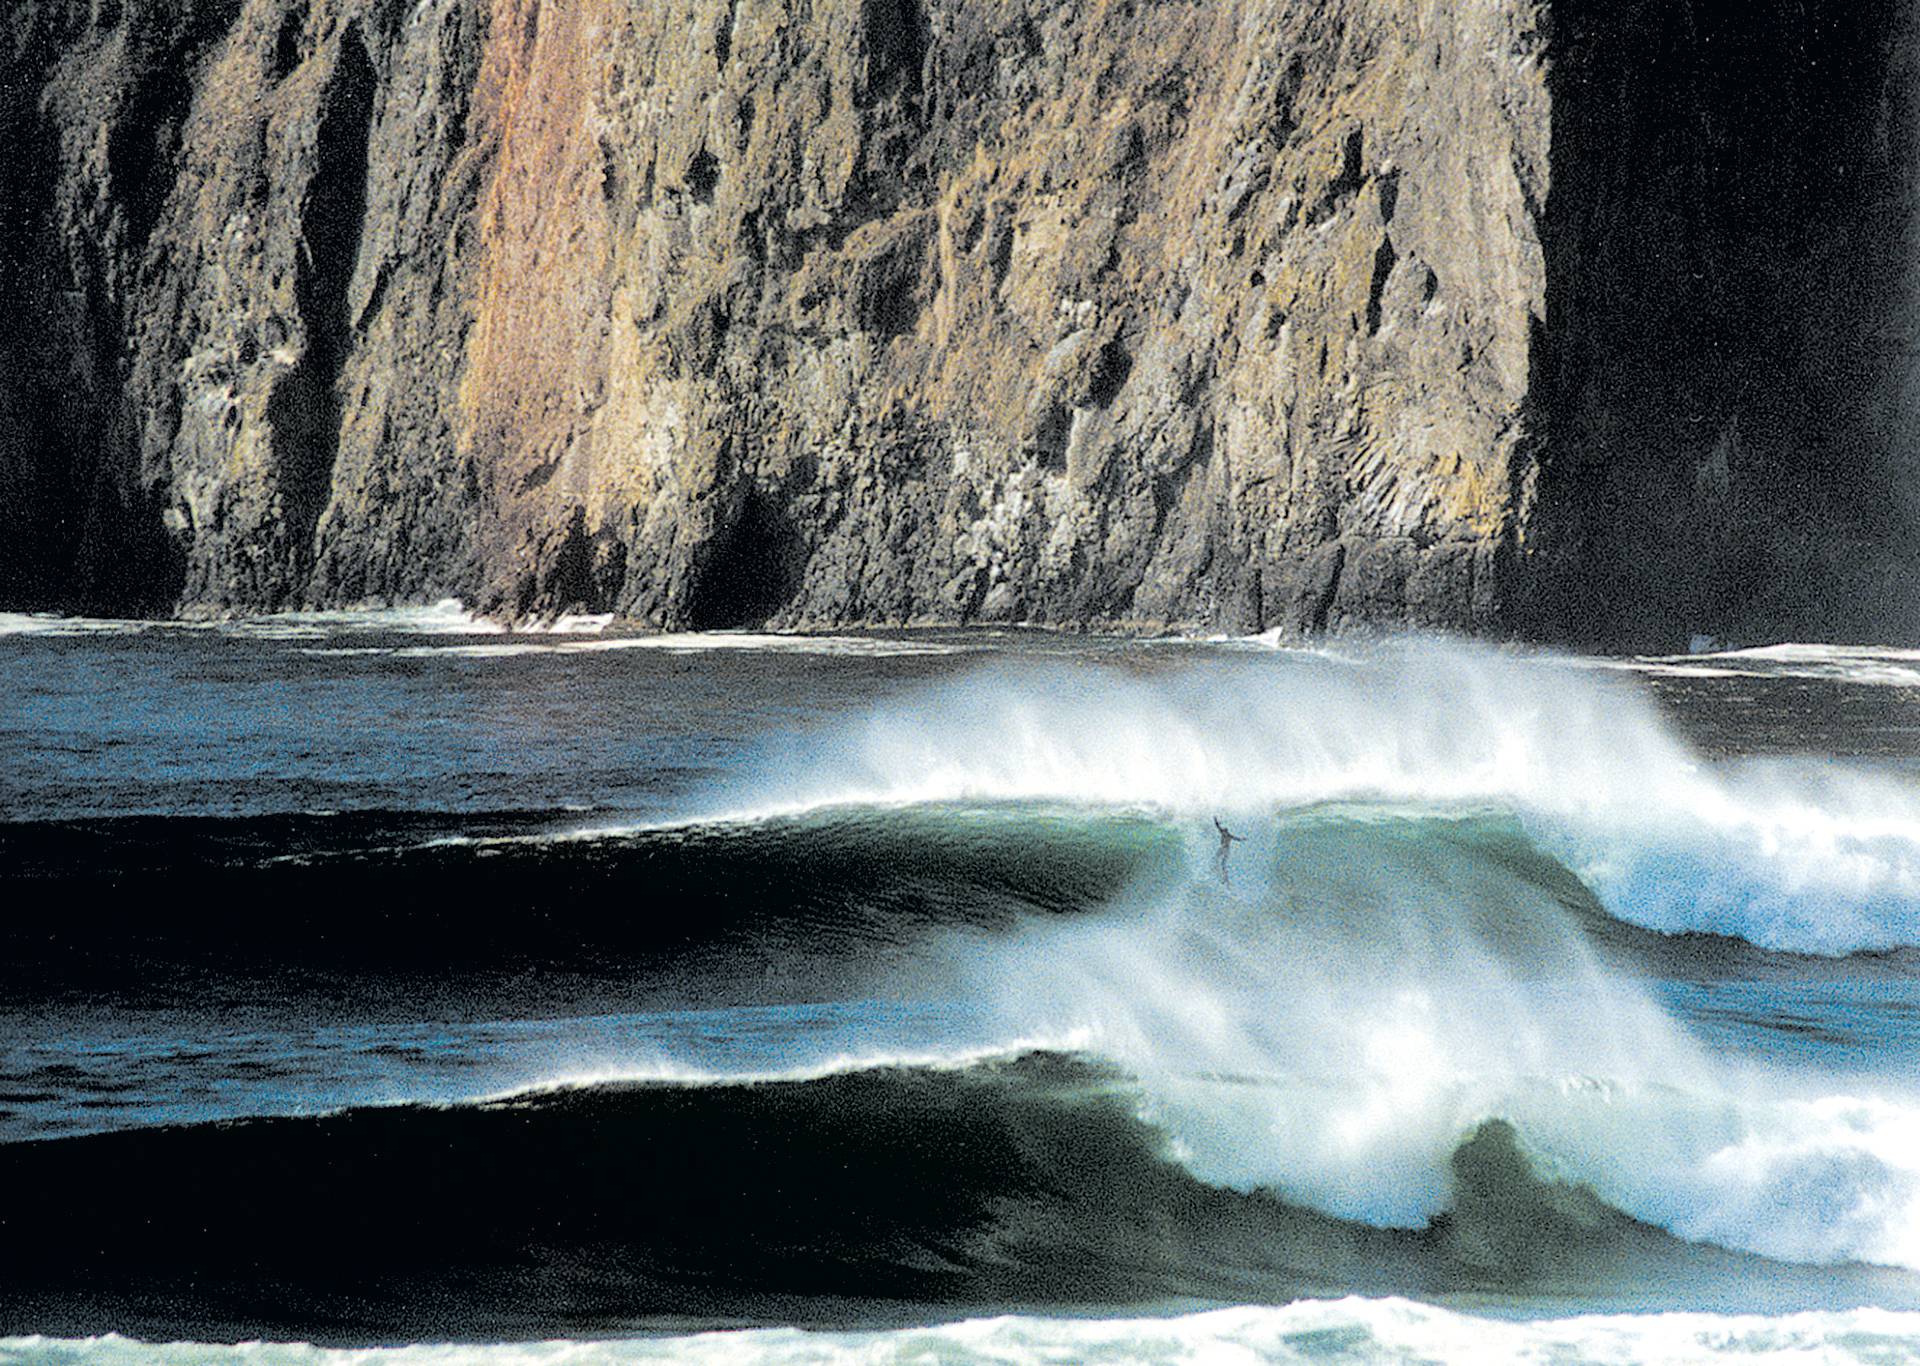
1392, 968
1336, 1023
1801, 855
1371, 992
1026, 1181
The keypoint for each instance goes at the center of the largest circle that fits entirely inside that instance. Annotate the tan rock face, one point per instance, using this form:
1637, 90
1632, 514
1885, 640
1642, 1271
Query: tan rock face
1235, 313
1097, 312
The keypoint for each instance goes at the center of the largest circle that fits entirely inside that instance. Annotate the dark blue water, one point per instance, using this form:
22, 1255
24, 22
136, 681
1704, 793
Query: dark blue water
380, 978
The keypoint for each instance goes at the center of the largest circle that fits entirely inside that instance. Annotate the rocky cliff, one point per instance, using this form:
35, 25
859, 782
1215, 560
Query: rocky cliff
1547, 317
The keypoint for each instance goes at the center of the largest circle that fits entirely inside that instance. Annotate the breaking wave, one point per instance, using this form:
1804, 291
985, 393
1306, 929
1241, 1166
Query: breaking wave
1798, 854
1021, 1181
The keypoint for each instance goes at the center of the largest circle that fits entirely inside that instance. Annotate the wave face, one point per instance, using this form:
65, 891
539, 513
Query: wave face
816, 900
1030, 1179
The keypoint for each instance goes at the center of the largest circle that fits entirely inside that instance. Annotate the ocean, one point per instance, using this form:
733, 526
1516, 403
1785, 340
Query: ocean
388, 987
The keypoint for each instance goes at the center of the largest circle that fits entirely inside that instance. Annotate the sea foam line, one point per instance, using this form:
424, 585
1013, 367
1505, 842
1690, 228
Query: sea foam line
1359, 1330
448, 617
1861, 665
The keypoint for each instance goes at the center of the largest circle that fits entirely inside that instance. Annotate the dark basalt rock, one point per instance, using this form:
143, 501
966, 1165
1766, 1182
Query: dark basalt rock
1557, 318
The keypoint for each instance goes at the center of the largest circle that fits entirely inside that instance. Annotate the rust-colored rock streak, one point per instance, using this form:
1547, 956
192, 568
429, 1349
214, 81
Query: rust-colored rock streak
537, 359
858, 311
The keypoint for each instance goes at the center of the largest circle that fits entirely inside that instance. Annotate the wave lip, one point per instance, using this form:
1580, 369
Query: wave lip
1011, 1054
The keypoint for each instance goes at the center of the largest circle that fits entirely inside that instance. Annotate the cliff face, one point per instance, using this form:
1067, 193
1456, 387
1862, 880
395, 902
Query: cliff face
1242, 313
1731, 304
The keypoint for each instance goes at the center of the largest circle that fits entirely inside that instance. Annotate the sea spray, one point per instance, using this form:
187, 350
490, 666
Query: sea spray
1802, 854
1340, 1019
1336, 1022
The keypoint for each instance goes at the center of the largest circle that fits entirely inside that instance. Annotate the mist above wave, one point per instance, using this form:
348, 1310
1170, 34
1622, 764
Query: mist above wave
1333, 1024
1807, 855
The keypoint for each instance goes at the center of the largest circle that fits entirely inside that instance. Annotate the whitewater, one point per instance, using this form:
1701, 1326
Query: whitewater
593, 996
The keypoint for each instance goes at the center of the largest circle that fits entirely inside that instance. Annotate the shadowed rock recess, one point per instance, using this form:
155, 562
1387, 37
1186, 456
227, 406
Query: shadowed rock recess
1571, 319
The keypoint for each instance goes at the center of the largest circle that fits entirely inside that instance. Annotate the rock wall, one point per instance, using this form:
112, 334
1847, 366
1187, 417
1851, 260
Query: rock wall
1730, 314
1548, 317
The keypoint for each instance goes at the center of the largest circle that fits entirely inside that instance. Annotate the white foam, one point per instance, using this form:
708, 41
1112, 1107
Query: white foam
503, 651
690, 643
1865, 665
445, 618
1317, 1331
568, 624
1799, 653
1660, 668
1807, 855
1336, 1036
448, 617
49, 624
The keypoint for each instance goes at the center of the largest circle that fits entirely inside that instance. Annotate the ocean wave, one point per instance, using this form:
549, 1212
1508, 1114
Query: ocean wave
1398, 984
1029, 1181
1799, 855
1388, 1331
1375, 982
